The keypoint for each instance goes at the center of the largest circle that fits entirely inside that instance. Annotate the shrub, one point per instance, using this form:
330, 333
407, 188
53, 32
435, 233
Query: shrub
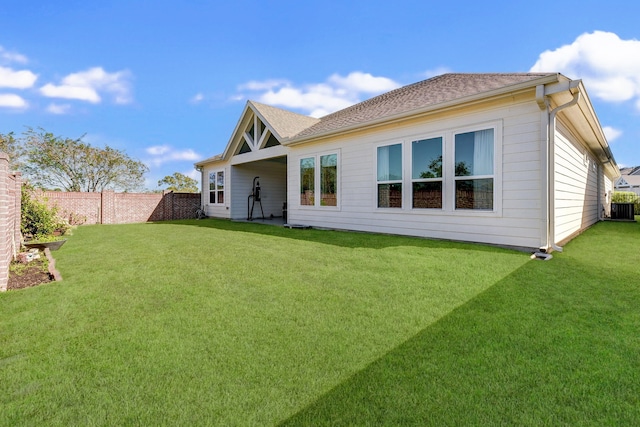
38, 220
627, 197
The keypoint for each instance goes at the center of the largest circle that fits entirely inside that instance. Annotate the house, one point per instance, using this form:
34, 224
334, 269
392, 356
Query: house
629, 183
509, 159
632, 170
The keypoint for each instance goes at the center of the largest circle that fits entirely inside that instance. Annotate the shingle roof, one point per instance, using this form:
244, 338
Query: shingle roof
416, 97
420, 95
286, 123
630, 170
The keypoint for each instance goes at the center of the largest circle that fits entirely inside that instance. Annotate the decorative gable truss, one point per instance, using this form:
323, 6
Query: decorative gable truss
256, 135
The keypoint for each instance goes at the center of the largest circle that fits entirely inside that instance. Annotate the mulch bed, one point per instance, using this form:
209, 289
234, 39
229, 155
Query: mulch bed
33, 274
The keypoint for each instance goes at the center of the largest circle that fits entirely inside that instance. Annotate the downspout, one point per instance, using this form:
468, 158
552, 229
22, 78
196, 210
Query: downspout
551, 142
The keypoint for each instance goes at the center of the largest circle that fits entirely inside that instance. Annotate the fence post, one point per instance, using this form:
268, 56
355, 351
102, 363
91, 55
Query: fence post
108, 207
10, 206
167, 205
17, 216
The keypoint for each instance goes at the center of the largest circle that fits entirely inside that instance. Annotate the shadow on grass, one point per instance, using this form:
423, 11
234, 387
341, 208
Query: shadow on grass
346, 238
553, 343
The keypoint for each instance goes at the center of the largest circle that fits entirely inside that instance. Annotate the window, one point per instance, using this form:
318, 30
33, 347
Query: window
389, 176
474, 159
307, 181
216, 187
329, 180
426, 173
319, 185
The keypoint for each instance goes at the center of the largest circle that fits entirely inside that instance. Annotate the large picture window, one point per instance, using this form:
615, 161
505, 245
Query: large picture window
426, 173
319, 186
216, 187
474, 169
389, 176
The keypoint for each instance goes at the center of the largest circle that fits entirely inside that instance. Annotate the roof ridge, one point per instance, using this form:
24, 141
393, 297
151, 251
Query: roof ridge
432, 91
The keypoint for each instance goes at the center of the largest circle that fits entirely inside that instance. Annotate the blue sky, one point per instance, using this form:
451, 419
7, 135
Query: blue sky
166, 81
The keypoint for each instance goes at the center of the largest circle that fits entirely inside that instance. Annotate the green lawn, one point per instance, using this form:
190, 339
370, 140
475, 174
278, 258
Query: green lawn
216, 323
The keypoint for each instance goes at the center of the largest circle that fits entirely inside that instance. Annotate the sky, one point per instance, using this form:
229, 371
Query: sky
166, 81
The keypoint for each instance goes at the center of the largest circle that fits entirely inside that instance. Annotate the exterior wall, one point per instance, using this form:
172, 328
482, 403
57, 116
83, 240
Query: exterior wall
517, 217
10, 194
121, 208
217, 210
606, 189
269, 164
273, 188
576, 186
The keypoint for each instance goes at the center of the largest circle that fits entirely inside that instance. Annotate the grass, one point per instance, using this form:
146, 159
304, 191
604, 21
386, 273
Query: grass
217, 323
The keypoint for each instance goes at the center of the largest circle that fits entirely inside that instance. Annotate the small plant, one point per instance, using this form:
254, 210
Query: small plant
75, 219
39, 221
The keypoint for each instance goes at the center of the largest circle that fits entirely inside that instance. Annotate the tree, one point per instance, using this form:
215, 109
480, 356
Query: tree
72, 165
10, 145
179, 183
434, 169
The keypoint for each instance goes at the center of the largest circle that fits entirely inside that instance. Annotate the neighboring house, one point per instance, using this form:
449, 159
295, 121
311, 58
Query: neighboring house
633, 170
509, 159
628, 183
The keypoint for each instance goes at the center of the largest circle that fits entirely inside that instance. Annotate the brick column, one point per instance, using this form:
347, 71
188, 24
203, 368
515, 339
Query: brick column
6, 229
167, 205
108, 207
17, 216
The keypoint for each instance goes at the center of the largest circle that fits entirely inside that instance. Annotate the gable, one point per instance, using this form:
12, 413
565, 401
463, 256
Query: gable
261, 127
630, 181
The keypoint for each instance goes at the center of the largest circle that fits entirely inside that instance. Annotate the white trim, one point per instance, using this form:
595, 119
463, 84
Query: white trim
413, 180
497, 126
224, 187
395, 181
448, 172
317, 181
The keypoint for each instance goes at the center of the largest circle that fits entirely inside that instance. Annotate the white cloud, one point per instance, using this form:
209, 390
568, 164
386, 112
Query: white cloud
161, 154
611, 133
363, 82
10, 100
609, 66
71, 92
265, 85
88, 85
318, 99
197, 98
22, 79
58, 108
7, 56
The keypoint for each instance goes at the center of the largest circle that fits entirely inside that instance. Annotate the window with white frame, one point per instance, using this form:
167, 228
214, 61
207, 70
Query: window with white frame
426, 173
474, 169
319, 186
216, 187
389, 176
307, 181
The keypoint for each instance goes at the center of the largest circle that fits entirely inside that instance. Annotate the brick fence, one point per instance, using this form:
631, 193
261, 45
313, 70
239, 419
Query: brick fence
10, 193
109, 207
